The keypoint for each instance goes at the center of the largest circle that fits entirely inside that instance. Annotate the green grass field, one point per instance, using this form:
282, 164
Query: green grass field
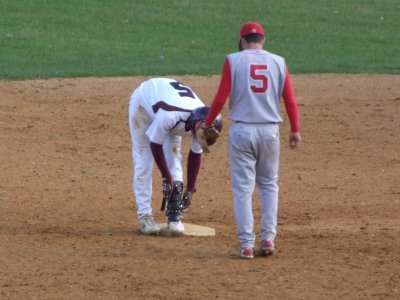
54, 38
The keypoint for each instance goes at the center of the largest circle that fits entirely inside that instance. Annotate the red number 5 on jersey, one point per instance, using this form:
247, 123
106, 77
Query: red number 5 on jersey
260, 77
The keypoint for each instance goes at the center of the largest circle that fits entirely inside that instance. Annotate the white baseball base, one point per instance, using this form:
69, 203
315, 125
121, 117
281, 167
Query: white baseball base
190, 230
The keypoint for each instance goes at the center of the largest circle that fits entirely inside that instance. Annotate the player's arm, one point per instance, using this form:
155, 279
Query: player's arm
161, 162
292, 111
222, 94
168, 185
194, 161
157, 134
193, 167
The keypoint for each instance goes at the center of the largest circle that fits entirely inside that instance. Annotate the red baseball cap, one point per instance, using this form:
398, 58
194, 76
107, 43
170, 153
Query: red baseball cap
251, 28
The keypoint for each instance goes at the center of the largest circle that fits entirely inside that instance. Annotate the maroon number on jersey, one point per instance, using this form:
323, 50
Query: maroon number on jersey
187, 92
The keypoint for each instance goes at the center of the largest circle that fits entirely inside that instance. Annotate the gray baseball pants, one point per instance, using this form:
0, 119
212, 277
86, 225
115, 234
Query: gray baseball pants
254, 151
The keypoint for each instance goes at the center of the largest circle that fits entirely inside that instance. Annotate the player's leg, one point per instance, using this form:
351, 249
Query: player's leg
267, 178
173, 156
242, 164
142, 156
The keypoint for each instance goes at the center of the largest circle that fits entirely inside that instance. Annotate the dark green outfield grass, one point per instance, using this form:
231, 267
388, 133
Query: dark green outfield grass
54, 38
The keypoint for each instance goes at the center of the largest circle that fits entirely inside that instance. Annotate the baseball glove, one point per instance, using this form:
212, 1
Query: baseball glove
206, 136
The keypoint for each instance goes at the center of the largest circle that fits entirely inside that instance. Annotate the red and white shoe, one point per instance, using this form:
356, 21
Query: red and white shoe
247, 253
267, 247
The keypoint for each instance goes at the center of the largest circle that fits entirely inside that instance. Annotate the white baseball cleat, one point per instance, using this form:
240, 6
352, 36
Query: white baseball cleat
148, 226
176, 227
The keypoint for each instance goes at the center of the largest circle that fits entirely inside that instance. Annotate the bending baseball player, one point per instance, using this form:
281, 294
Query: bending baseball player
161, 112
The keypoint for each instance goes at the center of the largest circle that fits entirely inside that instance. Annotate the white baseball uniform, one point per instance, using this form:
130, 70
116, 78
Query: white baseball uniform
158, 109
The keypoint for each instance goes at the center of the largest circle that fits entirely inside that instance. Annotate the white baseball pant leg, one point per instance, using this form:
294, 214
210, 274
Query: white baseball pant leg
139, 122
173, 156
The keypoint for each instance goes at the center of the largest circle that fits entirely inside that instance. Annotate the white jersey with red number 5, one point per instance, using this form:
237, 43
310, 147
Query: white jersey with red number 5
263, 73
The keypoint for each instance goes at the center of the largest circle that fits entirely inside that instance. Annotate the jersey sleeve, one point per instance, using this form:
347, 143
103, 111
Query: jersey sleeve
222, 94
195, 146
161, 126
290, 103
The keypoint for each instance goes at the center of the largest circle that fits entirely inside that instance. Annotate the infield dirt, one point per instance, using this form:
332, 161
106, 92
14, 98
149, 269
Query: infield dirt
68, 228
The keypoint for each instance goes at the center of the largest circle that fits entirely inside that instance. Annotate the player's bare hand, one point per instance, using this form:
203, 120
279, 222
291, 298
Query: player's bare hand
294, 139
186, 200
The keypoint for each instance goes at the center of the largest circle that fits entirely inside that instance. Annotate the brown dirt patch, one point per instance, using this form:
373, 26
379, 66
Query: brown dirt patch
68, 228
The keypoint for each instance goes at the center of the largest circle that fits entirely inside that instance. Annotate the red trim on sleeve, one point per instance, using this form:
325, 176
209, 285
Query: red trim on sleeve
222, 94
291, 104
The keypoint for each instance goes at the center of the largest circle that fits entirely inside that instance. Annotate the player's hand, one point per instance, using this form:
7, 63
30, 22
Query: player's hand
167, 188
186, 200
294, 139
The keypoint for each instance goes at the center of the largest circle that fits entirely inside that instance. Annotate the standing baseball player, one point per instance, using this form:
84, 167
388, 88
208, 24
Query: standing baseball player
256, 80
161, 112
